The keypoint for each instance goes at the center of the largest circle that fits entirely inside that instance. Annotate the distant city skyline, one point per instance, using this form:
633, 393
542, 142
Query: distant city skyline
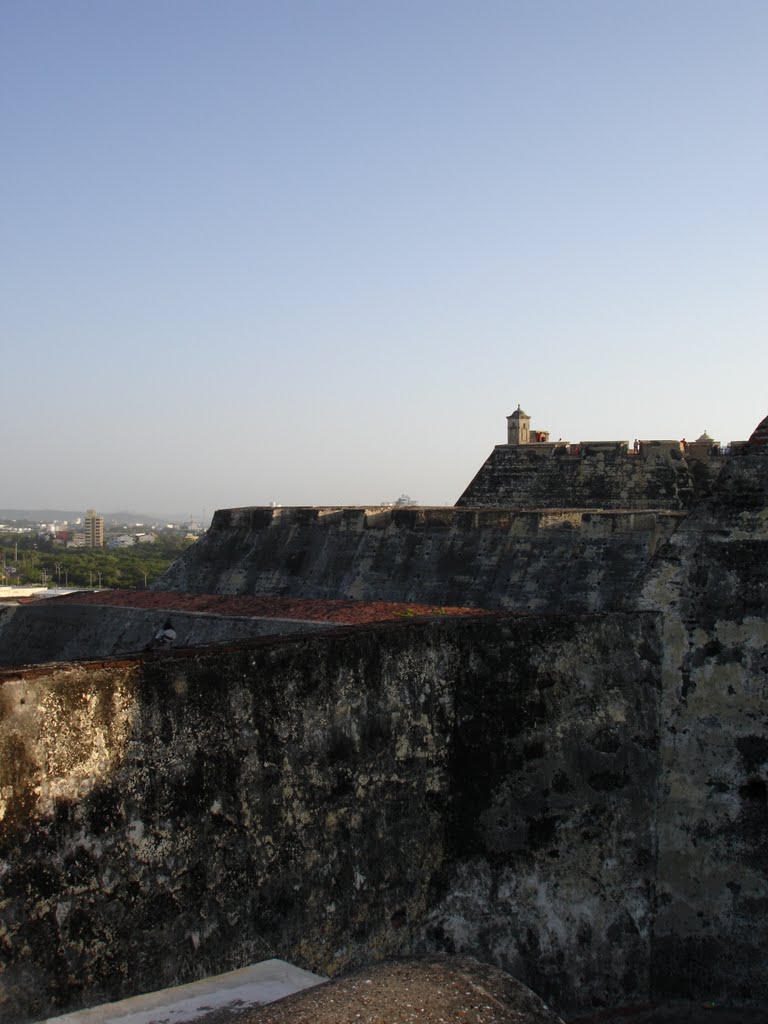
316, 253
74, 517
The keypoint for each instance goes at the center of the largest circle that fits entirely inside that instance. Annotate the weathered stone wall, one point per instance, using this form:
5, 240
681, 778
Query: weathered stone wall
171, 819
551, 560
711, 580
551, 853
310, 797
46, 631
604, 477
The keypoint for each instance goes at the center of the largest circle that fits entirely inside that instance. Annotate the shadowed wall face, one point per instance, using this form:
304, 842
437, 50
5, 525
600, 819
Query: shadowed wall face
550, 871
712, 892
309, 798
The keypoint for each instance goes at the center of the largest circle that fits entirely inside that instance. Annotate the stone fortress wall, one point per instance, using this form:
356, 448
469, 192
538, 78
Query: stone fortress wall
710, 584
530, 471
700, 564
540, 560
324, 799
581, 798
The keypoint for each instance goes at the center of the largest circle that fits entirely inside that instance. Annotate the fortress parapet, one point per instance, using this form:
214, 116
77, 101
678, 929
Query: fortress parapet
530, 471
492, 557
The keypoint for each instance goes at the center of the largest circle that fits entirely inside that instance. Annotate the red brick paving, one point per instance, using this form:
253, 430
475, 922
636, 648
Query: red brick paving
346, 612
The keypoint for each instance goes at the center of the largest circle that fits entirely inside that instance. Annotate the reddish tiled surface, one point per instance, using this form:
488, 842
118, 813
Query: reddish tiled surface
347, 612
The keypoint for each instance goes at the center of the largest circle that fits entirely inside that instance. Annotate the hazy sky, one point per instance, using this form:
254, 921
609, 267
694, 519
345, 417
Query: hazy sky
315, 252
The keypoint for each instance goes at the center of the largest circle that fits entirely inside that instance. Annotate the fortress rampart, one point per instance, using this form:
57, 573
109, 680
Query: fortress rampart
530, 471
704, 570
540, 560
578, 798
605, 475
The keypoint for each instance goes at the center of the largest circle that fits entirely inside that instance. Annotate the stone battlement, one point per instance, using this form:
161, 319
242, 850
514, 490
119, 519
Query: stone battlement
498, 558
645, 449
595, 474
521, 520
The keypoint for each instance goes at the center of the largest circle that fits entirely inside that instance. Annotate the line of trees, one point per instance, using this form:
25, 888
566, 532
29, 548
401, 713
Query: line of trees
25, 561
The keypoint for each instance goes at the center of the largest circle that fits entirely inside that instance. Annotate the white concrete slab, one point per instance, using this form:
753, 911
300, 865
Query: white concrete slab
237, 990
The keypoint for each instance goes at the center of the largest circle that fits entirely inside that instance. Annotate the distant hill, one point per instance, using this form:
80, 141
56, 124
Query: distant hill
49, 515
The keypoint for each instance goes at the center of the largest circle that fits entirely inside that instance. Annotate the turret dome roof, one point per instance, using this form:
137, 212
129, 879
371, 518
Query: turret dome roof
760, 433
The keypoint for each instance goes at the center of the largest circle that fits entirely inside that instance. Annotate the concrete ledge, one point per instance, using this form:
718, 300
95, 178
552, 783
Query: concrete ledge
238, 990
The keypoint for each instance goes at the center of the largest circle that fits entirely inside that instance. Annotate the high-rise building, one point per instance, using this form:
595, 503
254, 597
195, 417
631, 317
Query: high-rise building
93, 528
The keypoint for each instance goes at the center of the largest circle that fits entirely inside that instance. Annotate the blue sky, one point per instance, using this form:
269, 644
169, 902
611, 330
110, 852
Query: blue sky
316, 252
